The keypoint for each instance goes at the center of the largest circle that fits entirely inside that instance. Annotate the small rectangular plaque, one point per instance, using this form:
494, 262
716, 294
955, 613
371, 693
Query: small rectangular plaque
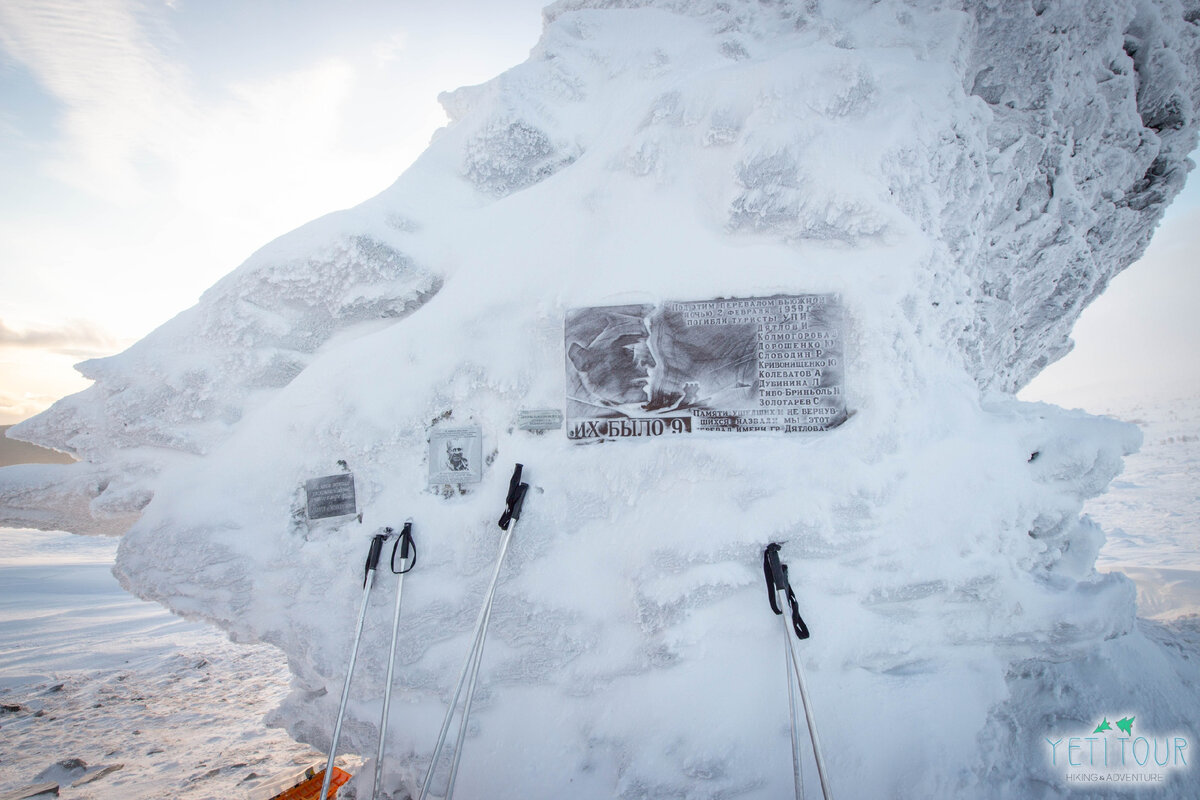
455, 455
539, 419
729, 365
331, 496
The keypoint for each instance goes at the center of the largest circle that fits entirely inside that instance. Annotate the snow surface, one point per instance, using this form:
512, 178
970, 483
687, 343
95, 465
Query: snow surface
1156, 543
965, 180
111, 693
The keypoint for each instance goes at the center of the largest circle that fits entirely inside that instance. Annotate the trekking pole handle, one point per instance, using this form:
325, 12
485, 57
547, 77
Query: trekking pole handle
515, 499
774, 568
406, 548
405, 541
519, 502
777, 582
373, 554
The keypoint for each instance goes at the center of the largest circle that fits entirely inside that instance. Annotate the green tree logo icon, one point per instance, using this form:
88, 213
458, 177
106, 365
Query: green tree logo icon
1124, 725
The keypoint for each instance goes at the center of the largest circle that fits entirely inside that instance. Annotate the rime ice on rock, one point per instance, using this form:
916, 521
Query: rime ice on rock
964, 179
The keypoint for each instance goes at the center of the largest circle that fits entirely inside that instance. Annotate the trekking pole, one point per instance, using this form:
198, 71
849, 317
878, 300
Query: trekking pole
406, 546
779, 592
797, 764
512, 513
456, 760
368, 581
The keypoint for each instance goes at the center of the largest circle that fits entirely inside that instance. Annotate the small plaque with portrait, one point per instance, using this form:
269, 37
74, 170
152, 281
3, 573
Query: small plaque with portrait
455, 455
755, 364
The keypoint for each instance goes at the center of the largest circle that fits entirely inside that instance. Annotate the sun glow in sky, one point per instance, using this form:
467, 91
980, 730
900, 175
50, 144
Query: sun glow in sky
147, 147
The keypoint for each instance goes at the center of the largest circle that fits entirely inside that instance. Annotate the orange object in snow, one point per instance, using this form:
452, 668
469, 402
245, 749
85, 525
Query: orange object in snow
310, 789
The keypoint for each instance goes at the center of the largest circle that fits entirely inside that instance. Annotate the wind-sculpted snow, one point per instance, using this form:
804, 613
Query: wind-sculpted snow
1093, 109
965, 179
185, 387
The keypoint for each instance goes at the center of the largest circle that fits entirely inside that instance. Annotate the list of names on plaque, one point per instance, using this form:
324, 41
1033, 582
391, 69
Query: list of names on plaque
733, 365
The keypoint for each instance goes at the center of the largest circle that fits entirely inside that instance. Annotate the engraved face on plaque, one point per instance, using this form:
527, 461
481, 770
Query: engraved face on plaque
733, 365
455, 455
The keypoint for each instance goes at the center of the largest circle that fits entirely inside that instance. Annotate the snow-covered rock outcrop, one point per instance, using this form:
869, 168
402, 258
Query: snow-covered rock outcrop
966, 179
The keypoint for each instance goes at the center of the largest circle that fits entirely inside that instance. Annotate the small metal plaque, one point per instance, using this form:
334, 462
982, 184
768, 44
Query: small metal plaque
539, 419
331, 496
730, 365
455, 455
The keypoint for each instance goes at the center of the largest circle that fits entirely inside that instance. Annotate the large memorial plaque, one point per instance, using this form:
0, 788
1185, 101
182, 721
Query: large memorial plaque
331, 496
736, 365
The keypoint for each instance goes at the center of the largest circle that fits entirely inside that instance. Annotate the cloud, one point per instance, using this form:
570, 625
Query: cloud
16, 408
75, 338
137, 126
275, 138
389, 49
169, 140
120, 96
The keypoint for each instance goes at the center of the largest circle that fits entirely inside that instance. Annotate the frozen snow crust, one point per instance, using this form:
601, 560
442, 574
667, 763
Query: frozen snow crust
966, 180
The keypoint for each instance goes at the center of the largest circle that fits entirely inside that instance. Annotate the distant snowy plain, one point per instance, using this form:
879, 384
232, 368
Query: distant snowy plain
117, 696
1151, 513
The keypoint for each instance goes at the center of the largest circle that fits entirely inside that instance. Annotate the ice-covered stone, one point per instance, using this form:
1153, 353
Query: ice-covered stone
965, 176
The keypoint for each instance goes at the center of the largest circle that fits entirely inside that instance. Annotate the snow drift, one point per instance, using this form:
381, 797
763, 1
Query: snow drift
965, 179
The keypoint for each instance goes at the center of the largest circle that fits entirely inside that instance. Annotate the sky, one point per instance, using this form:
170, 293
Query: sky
148, 147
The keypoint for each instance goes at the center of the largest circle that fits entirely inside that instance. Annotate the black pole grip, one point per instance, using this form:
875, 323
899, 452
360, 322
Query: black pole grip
514, 481
774, 574
777, 578
405, 540
405, 547
516, 496
373, 554
519, 502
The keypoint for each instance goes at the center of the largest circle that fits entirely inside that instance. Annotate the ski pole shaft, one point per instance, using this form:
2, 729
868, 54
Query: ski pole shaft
512, 512
779, 591
441, 740
372, 563
478, 653
481, 622
789, 657
456, 760
404, 543
812, 724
